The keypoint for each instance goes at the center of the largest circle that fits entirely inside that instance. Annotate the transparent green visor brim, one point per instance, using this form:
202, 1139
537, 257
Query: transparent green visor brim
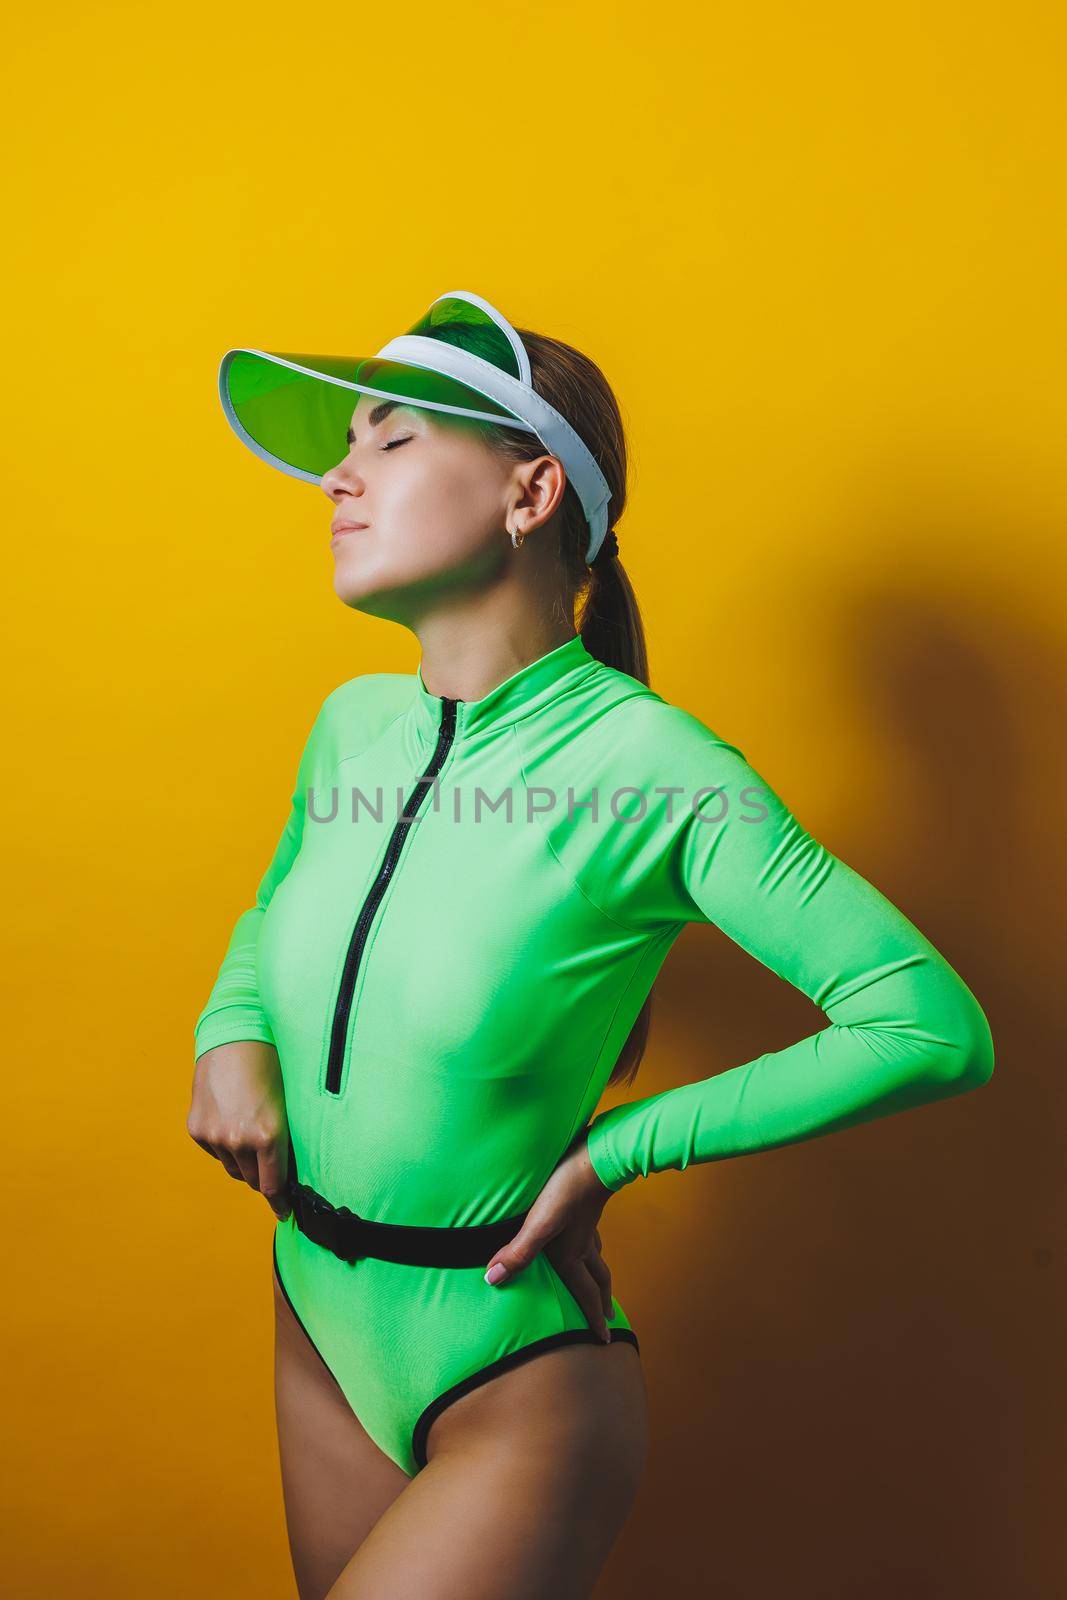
295, 411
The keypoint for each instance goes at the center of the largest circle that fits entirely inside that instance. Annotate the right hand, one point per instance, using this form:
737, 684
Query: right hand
238, 1116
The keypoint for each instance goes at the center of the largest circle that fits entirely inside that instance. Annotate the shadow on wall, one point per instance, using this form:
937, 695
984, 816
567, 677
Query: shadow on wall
851, 1343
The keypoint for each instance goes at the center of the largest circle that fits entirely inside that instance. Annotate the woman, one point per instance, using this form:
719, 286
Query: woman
450, 956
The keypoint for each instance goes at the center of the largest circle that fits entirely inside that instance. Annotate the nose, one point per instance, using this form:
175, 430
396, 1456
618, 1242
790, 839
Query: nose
341, 480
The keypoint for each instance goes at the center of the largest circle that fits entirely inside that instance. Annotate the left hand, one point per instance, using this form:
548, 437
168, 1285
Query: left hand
563, 1222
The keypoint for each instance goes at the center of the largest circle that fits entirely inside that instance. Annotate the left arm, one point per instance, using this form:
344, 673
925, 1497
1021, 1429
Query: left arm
903, 1027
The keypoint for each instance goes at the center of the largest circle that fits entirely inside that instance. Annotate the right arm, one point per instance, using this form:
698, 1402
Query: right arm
237, 1112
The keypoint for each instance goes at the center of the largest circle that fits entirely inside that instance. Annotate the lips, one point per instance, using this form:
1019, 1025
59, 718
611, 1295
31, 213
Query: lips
347, 527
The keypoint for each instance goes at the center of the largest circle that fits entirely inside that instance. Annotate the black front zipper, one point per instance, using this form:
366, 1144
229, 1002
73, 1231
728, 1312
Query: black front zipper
343, 1008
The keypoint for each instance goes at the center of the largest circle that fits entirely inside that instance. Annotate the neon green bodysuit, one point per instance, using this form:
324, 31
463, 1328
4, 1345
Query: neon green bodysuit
449, 971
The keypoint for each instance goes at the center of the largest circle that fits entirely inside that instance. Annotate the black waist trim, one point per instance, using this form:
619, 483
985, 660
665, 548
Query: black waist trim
351, 1237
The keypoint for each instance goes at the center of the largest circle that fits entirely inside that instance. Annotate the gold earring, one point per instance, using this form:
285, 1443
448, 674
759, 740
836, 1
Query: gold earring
517, 540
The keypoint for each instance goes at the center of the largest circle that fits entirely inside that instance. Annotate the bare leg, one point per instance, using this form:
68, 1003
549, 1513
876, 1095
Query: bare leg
529, 1479
336, 1482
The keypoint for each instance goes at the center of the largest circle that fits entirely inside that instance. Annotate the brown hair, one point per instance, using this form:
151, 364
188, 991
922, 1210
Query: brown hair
598, 599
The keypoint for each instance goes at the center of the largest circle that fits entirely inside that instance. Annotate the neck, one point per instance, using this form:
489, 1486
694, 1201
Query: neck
465, 656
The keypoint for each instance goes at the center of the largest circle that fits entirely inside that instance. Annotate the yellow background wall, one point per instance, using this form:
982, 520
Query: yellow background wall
819, 253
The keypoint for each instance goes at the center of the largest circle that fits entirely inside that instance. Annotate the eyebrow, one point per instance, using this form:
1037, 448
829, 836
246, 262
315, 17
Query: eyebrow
379, 414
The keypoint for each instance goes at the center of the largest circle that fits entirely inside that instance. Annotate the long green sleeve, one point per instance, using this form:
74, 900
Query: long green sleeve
234, 1009
903, 1026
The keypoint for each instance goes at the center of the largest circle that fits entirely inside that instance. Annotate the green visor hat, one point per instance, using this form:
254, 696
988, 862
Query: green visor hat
463, 357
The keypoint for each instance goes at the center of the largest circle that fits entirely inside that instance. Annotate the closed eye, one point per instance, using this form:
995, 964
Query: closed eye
394, 442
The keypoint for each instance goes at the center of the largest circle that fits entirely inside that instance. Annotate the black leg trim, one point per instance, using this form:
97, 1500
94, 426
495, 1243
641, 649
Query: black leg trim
292, 1308
512, 1359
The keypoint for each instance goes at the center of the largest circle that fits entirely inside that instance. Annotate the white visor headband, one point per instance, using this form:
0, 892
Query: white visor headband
520, 397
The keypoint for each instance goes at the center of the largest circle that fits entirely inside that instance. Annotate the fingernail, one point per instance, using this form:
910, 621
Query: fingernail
496, 1272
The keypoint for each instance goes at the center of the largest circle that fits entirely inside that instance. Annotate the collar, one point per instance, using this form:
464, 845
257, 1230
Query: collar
526, 691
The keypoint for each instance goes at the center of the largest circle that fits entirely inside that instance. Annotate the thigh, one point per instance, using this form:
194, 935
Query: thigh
336, 1482
529, 1479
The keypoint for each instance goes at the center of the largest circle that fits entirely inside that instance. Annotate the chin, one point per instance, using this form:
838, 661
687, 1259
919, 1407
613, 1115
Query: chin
359, 589
351, 590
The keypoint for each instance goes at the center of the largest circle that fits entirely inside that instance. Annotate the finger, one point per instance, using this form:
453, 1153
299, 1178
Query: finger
225, 1155
517, 1254
273, 1162
246, 1157
601, 1273
582, 1286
